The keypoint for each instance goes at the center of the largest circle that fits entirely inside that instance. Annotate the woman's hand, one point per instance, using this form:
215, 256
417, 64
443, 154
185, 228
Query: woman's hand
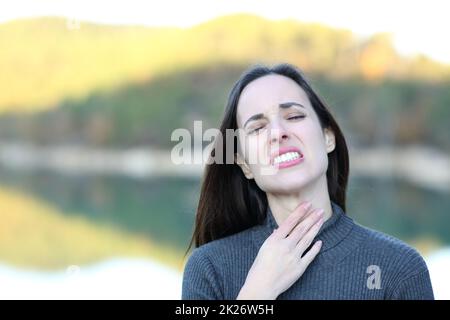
279, 262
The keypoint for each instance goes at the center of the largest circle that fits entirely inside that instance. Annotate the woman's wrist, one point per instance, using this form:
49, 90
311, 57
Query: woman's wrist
249, 293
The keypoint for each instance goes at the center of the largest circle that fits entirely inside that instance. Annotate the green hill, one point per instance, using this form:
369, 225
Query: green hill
120, 86
43, 61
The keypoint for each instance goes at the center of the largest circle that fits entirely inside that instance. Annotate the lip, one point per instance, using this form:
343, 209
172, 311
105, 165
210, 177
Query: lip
287, 164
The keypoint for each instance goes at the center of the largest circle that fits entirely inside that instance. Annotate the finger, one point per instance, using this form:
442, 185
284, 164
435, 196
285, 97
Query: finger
304, 226
286, 227
304, 243
305, 216
310, 255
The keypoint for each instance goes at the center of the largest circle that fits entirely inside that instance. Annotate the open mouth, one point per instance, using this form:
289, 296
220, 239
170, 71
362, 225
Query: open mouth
287, 158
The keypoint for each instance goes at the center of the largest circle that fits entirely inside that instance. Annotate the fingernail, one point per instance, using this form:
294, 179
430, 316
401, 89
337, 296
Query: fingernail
319, 242
320, 212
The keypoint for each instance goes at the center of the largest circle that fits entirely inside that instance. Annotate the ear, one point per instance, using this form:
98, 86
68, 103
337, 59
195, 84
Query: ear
240, 161
330, 140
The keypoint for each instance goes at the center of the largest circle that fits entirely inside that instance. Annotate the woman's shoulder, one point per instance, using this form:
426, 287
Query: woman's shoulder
402, 256
402, 267
207, 266
218, 249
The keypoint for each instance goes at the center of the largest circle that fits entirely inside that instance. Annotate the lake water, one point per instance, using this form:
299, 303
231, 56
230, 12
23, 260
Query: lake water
159, 213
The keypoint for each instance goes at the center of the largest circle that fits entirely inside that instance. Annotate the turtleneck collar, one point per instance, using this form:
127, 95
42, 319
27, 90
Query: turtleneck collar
332, 232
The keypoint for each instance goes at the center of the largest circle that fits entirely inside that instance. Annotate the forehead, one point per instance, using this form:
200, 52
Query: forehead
264, 94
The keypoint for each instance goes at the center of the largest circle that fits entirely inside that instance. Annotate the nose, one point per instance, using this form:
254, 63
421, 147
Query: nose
278, 134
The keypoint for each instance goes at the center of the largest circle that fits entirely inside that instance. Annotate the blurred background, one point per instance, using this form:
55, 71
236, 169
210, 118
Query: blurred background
91, 205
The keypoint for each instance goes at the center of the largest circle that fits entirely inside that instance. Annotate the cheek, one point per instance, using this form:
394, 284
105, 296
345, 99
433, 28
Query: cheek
256, 149
309, 134
312, 140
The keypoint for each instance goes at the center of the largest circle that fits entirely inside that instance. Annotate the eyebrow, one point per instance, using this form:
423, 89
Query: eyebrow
284, 105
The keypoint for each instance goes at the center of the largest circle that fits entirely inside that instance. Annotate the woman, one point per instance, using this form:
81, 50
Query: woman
276, 228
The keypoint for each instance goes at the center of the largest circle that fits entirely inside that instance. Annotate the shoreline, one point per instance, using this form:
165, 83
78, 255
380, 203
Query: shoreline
125, 278
406, 163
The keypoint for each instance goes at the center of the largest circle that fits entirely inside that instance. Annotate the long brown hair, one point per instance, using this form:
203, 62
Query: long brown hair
229, 202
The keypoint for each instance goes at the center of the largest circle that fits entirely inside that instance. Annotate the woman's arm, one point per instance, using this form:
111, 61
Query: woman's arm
416, 287
200, 280
414, 281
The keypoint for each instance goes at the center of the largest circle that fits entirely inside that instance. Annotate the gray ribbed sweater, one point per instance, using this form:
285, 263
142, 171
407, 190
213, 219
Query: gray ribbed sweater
354, 262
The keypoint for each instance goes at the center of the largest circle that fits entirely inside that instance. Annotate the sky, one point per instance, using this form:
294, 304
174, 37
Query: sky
417, 26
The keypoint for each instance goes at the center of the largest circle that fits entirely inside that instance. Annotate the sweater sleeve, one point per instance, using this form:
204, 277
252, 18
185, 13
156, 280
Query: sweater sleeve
417, 287
200, 279
417, 284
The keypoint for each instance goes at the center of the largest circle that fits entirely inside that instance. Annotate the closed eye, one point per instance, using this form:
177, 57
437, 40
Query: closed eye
256, 130
296, 117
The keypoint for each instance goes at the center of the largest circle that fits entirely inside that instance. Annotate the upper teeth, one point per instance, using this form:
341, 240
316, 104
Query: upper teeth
289, 156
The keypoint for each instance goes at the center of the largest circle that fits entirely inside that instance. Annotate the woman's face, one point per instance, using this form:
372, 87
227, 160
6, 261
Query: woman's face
283, 146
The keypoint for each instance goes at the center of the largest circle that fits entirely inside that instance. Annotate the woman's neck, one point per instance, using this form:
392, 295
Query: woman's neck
282, 204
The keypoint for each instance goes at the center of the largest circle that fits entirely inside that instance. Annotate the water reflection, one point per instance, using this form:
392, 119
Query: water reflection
163, 209
111, 279
411, 213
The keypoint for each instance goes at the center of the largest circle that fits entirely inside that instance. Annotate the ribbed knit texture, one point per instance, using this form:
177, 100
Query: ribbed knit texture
218, 269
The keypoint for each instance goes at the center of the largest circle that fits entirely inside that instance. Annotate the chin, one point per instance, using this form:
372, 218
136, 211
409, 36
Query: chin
288, 185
